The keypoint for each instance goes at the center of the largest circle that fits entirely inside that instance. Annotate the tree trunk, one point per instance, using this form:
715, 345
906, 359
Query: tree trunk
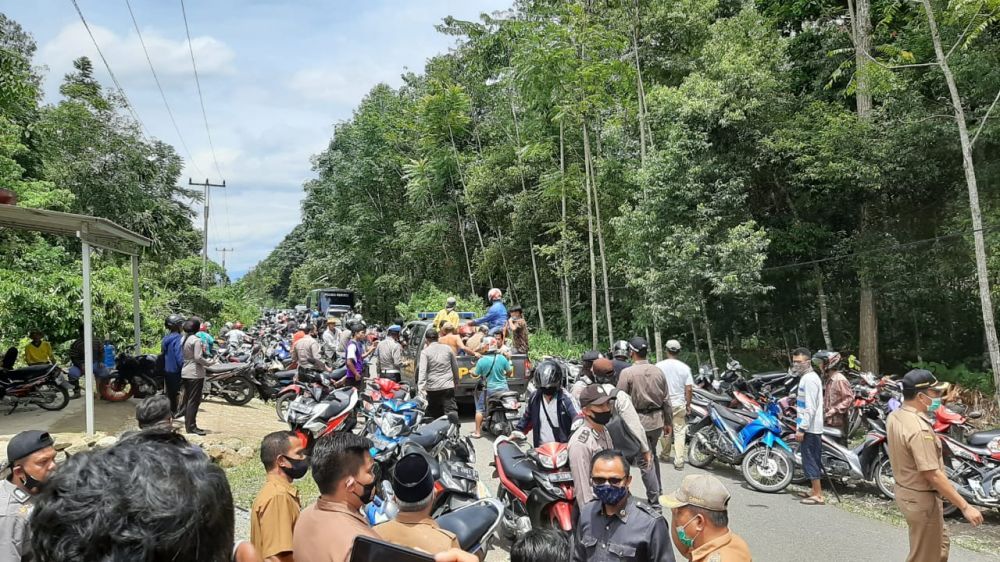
564, 237
593, 263
465, 246
589, 162
868, 337
824, 322
538, 289
531, 242
482, 247
658, 340
708, 334
977, 220
694, 336
916, 335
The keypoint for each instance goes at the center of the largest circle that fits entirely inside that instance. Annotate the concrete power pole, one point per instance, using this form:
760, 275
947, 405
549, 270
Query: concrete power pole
224, 252
204, 246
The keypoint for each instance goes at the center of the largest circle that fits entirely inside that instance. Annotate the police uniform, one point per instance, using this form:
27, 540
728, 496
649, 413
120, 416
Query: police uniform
15, 507
583, 445
414, 530
914, 448
637, 532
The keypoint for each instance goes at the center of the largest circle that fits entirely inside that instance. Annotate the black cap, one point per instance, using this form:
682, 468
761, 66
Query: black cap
27, 442
412, 481
921, 379
431, 334
590, 356
638, 344
594, 395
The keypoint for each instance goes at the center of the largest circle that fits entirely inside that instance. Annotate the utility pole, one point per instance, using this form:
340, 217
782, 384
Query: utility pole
204, 246
224, 252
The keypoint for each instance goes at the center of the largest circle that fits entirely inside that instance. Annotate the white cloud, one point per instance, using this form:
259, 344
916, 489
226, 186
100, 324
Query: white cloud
342, 85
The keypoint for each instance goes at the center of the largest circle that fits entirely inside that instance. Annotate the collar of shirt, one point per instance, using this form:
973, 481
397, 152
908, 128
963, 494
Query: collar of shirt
323, 504
414, 518
623, 513
283, 485
919, 414
642, 362
711, 546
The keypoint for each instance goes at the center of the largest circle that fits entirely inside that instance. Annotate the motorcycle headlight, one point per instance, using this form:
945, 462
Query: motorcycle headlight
546, 462
562, 459
510, 403
994, 446
391, 425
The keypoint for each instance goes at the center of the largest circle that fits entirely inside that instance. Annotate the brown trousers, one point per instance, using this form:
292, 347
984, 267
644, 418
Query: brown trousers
928, 536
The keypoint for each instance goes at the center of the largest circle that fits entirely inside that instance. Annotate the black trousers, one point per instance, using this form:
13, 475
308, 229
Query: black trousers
192, 400
172, 381
441, 403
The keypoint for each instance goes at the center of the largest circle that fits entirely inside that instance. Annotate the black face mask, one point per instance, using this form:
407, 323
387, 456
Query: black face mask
601, 418
550, 391
29, 482
298, 469
366, 494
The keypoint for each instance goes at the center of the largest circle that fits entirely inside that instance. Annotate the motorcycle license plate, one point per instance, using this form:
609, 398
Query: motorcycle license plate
464, 472
300, 408
561, 477
513, 415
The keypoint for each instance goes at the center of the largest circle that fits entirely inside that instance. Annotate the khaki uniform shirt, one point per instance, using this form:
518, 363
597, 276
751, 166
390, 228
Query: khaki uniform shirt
326, 530
650, 394
307, 353
273, 516
437, 368
913, 448
583, 445
413, 530
727, 548
389, 354
15, 507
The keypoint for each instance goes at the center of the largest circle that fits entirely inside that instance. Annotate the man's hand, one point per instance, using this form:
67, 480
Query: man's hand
799, 436
517, 436
668, 429
972, 515
687, 410
455, 555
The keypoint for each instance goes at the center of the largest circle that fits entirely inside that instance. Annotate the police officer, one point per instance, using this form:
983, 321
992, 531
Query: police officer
31, 457
590, 438
413, 527
917, 465
617, 526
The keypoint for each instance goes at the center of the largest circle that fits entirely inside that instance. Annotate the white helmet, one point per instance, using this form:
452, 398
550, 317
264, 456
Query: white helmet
494, 294
229, 325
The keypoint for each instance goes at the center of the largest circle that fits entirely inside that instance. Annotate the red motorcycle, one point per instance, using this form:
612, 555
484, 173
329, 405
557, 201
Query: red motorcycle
536, 487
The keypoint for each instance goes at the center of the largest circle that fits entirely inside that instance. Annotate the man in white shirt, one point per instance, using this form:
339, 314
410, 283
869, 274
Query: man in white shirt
235, 336
331, 338
681, 385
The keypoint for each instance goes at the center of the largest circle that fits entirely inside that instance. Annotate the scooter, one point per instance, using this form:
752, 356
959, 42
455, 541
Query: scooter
133, 376
475, 525
536, 487
502, 409
43, 385
231, 381
313, 416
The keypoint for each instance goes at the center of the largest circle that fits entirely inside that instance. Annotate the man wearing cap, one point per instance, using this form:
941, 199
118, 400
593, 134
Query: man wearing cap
590, 438
681, 386
331, 338
700, 519
602, 372
616, 526
413, 527
918, 468
645, 384
446, 314
389, 354
31, 458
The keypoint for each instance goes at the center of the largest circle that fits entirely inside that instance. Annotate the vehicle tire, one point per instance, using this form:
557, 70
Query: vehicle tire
767, 469
698, 454
884, 480
115, 389
143, 387
281, 403
798, 475
949, 509
50, 397
238, 391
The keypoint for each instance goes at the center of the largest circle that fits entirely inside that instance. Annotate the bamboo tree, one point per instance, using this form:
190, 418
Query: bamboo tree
564, 235
589, 164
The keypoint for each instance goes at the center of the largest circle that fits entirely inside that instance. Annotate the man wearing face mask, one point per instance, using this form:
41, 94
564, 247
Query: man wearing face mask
918, 468
344, 472
809, 423
276, 508
31, 458
550, 411
701, 521
617, 527
590, 438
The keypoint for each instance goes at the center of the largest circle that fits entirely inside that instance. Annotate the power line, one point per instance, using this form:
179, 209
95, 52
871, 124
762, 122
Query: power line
128, 104
197, 82
163, 96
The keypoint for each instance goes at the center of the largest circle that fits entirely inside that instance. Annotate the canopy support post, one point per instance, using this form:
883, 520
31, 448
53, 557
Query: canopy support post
88, 339
137, 316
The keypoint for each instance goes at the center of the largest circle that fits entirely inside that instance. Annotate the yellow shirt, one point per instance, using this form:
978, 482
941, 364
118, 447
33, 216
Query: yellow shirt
41, 354
443, 316
273, 517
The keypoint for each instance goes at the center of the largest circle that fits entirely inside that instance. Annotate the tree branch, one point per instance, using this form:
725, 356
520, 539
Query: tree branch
966, 30
982, 123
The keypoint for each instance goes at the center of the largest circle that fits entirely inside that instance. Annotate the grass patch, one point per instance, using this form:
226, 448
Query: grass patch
246, 480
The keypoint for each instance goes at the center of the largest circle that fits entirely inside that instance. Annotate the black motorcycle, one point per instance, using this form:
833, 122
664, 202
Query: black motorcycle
42, 385
133, 376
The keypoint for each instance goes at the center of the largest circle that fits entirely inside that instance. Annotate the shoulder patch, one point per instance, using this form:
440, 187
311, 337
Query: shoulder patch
20, 495
584, 435
715, 557
648, 509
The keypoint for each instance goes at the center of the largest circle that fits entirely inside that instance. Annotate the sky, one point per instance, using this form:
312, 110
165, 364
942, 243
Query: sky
276, 76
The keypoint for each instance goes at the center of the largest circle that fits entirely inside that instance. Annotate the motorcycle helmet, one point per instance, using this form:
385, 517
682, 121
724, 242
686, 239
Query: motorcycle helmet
824, 360
174, 321
548, 375
228, 325
620, 350
494, 294
358, 327
304, 326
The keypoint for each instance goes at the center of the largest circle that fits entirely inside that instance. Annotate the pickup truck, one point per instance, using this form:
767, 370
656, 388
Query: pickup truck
518, 380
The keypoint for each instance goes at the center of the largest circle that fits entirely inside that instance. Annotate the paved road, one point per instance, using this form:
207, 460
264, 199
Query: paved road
776, 526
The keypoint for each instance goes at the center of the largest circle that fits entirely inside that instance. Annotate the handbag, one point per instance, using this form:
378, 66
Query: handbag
623, 439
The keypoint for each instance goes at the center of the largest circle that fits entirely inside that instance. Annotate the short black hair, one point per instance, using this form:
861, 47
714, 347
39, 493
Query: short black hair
153, 411
801, 351
121, 503
274, 445
337, 456
431, 334
718, 518
610, 455
540, 545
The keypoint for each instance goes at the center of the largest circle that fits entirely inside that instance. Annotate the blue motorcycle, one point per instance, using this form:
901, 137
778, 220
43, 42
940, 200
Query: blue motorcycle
751, 441
391, 421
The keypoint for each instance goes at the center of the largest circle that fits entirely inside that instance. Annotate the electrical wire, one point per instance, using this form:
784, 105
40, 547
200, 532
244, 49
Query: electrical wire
163, 96
201, 98
114, 79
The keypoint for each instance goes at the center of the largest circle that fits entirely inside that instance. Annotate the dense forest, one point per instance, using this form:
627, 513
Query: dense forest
87, 154
745, 176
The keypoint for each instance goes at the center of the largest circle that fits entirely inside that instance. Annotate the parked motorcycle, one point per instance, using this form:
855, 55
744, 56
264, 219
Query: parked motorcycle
973, 466
231, 381
42, 385
133, 376
536, 487
502, 409
313, 416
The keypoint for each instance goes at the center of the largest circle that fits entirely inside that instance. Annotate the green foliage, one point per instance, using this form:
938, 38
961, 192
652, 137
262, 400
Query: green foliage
429, 298
544, 344
958, 374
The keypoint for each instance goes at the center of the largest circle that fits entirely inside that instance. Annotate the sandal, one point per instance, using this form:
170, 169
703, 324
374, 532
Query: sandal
812, 500
477, 436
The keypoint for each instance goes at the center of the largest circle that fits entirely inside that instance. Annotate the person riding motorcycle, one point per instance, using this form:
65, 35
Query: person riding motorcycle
551, 410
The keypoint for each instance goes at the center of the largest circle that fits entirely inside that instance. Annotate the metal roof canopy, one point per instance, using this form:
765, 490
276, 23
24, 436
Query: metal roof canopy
92, 231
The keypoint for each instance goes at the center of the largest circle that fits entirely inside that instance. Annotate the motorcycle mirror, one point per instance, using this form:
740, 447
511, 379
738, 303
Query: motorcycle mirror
974, 415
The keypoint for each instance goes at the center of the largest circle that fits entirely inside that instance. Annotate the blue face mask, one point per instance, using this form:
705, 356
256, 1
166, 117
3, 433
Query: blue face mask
610, 494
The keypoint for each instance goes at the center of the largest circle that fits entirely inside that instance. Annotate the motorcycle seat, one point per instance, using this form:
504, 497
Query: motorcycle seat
516, 465
431, 434
765, 377
224, 367
713, 396
833, 432
27, 373
337, 401
470, 524
731, 415
982, 438
281, 375
877, 424
502, 394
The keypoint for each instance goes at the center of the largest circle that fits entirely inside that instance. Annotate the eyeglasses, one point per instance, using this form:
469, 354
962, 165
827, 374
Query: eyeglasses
614, 481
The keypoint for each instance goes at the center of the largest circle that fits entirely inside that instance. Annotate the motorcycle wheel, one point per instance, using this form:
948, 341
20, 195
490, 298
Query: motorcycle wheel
884, 480
798, 476
281, 404
238, 391
768, 470
52, 397
117, 389
698, 454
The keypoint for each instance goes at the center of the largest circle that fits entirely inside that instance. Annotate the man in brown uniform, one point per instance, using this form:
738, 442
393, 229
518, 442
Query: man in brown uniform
700, 520
647, 387
413, 485
276, 508
344, 472
588, 439
921, 483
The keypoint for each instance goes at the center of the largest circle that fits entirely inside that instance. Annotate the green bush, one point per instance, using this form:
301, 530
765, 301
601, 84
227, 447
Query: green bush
428, 298
544, 343
959, 374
